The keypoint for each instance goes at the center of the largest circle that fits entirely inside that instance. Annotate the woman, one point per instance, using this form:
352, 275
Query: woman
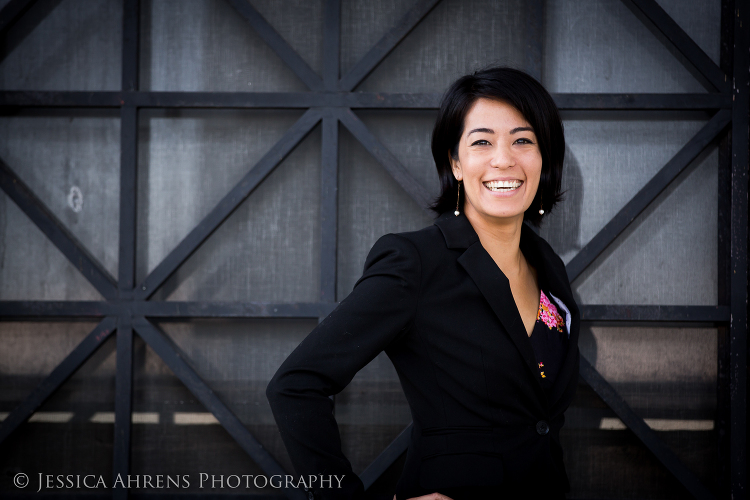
475, 312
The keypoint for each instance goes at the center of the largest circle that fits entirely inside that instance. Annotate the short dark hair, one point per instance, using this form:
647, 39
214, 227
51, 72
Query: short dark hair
530, 98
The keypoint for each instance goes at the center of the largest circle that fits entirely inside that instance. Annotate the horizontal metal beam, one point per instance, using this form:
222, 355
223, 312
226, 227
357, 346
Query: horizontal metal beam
645, 102
658, 17
227, 205
51, 310
658, 183
386, 458
166, 350
60, 99
57, 233
59, 375
656, 313
642, 431
386, 44
354, 100
278, 44
387, 159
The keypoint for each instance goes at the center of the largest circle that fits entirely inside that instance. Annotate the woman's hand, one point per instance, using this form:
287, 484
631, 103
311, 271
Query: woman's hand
431, 496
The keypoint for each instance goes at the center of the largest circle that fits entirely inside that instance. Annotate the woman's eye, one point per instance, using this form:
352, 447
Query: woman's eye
480, 142
523, 140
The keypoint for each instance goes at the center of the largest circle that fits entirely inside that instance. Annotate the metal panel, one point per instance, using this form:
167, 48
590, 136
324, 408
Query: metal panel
699, 63
61, 434
600, 46
269, 248
170, 354
301, 26
70, 163
667, 376
672, 245
609, 158
700, 20
207, 45
237, 358
32, 267
184, 143
75, 47
282, 49
457, 37
386, 44
370, 205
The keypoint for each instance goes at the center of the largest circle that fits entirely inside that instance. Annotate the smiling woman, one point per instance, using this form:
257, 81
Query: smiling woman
475, 312
498, 161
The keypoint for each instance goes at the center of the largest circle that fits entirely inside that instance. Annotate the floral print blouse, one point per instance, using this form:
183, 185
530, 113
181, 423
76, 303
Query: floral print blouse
549, 338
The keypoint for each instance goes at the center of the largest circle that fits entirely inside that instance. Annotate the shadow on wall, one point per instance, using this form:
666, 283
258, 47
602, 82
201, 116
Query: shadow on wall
562, 229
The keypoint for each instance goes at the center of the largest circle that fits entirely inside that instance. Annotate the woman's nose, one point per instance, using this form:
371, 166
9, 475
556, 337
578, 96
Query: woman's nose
502, 158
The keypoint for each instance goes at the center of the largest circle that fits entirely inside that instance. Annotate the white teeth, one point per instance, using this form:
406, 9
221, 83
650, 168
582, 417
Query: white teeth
503, 185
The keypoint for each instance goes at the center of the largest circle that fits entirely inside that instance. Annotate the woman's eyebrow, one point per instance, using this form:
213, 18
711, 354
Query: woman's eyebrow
485, 130
521, 129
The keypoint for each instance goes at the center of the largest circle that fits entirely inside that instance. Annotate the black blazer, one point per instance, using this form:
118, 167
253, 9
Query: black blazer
442, 310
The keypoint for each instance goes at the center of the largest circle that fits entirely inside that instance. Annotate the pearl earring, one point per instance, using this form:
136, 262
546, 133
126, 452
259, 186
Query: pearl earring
458, 195
541, 210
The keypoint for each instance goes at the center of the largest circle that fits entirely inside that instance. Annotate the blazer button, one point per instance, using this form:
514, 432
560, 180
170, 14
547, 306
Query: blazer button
542, 428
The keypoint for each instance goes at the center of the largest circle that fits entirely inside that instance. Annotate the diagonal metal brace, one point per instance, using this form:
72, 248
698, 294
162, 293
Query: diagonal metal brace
59, 376
278, 44
386, 44
648, 194
642, 431
387, 159
43, 218
167, 351
227, 205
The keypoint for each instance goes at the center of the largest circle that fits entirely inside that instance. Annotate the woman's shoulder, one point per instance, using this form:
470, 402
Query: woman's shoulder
427, 239
407, 249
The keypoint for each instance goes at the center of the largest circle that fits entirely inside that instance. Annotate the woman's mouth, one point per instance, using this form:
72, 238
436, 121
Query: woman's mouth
503, 186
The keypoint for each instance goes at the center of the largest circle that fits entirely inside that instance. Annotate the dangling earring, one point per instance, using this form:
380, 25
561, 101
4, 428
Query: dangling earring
541, 210
458, 195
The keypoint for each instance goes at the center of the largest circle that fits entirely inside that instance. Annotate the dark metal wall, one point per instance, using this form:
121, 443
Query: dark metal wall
232, 162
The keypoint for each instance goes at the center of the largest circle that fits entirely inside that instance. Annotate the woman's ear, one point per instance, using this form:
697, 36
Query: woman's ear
456, 168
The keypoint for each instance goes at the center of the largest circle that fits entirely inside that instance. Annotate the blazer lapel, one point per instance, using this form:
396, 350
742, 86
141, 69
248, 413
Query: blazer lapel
496, 289
492, 283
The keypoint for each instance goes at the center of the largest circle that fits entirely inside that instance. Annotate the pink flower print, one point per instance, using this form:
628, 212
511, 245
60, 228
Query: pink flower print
548, 313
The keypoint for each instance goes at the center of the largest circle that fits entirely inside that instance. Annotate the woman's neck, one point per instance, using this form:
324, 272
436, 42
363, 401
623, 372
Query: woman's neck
501, 238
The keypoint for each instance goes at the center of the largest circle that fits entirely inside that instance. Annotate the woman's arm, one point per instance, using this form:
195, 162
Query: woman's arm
379, 309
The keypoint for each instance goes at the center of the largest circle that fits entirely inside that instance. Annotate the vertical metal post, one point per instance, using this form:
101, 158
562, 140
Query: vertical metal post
127, 246
329, 208
534, 33
329, 154
128, 195
123, 402
331, 43
723, 400
738, 276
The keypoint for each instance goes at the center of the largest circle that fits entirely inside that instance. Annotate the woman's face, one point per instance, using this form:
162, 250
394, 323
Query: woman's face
499, 161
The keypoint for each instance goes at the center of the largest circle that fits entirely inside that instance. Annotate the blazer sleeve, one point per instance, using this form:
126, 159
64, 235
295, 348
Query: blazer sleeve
379, 309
